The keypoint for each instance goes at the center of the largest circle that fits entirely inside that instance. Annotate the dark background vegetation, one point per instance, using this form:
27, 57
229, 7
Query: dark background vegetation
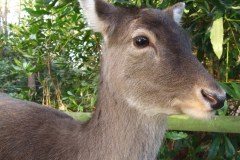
52, 57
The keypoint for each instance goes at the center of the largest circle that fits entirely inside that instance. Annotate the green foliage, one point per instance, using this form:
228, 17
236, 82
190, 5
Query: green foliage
213, 150
54, 43
200, 146
221, 148
233, 90
205, 20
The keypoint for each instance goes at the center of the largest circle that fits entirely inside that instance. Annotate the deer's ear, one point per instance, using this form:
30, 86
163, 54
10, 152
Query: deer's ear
98, 14
176, 11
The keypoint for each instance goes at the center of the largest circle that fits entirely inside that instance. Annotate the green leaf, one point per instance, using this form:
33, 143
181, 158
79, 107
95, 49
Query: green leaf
229, 90
176, 135
223, 110
17, 68
18, 63
138, 3
213, 150
236, 88
34, 29
25, 65
49, 23
235, 7
229, 149
36, 13
70, 93
216, 36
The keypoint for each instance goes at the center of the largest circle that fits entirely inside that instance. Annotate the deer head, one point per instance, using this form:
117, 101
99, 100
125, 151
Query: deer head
148, 62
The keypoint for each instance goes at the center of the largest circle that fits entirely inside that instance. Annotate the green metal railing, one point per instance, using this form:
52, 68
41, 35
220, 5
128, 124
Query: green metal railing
224, 124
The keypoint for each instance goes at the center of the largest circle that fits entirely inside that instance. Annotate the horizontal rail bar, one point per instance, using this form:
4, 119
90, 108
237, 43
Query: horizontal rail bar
80, 116
222, 124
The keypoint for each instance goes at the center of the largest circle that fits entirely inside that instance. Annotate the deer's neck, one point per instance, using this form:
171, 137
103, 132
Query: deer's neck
121, 132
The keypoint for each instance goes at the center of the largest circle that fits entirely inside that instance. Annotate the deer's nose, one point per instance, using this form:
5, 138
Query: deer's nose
215, 101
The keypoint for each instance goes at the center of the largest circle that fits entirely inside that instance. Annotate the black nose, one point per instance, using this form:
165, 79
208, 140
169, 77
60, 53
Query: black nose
216, 102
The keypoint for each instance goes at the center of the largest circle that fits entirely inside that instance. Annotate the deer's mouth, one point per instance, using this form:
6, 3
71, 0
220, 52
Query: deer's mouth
194, 108
198, 113
202, 103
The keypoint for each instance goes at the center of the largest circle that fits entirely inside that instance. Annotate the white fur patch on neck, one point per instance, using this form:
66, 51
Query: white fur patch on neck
89, 10
148, 110
178, 11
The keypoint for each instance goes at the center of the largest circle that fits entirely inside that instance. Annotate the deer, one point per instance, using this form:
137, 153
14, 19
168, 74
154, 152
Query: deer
147, 72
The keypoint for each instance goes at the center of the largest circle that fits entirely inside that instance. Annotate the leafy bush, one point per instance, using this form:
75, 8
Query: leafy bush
54, 46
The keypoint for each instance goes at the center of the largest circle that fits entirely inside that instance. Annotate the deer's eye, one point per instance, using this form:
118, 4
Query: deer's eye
141, 41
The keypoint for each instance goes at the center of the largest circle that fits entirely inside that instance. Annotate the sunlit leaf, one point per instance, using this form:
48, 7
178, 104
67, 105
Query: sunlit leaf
25, 65
176, 135
216, 36
70, 93
18, 62
235, 7
36, 13
16, 68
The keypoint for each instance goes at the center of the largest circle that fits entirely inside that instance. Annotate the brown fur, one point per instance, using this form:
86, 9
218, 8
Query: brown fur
137, 89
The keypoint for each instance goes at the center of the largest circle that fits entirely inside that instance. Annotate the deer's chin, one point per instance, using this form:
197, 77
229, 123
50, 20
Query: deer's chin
199, 114
193, 108
196, 109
